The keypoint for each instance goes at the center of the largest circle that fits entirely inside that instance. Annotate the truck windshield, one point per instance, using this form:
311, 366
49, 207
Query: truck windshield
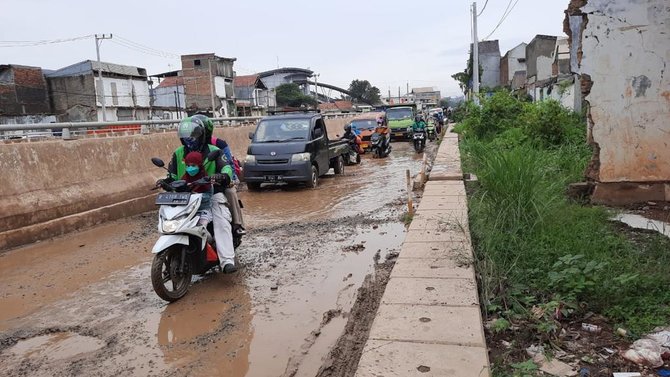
397, 114
363, 125
280, 130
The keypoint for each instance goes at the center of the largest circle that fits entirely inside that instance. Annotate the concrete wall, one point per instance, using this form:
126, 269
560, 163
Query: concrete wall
53, 187
73, 98
625, 54
491, 69
542, 46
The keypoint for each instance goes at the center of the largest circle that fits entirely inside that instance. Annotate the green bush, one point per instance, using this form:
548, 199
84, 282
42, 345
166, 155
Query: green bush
550, 124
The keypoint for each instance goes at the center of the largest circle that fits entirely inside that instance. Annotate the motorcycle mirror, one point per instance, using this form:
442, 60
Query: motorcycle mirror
213, 155
157, 161
337, 135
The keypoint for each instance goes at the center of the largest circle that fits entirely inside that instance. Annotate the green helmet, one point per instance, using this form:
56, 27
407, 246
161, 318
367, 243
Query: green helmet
192, 133
209, 125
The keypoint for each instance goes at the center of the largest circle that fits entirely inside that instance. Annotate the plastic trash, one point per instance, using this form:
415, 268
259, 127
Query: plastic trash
646, 352
591, 328
663, 372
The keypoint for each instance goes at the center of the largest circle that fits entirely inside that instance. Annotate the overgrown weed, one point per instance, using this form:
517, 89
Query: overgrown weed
540, 256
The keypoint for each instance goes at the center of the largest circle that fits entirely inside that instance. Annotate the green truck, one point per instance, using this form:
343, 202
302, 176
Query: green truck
400, 117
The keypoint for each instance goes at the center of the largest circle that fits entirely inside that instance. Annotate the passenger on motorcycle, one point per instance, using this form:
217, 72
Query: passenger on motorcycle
194, 172
353, 139
192, 134
230, 192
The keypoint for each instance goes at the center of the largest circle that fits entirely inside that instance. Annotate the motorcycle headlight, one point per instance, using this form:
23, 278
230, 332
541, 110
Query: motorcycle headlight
170, 226
301, 157
250, 159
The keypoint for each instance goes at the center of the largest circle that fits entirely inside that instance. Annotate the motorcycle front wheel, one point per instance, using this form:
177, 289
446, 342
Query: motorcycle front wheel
168, 281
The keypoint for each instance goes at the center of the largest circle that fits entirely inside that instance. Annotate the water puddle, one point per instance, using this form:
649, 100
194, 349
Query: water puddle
641, 222
56, 346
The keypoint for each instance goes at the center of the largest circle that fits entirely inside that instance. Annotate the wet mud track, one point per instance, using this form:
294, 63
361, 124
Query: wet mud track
314, 265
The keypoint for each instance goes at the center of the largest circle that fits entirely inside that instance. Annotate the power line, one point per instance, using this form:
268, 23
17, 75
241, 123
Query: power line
147, 48
41, 42
485, 4
502, 19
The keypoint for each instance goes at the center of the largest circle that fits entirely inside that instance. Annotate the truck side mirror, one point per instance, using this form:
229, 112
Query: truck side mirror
251, 135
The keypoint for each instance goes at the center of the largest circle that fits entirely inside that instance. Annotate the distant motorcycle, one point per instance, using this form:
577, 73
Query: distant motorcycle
355, 151
380, 145
182, 249
419, 140
430, 131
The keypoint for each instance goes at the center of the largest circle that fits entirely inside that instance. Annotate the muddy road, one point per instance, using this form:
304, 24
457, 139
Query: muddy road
313, 264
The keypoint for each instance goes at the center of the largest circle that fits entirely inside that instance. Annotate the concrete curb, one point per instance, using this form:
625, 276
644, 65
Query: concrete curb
429, 322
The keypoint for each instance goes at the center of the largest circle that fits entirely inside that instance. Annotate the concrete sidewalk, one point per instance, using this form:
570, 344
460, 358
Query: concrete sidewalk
429, 323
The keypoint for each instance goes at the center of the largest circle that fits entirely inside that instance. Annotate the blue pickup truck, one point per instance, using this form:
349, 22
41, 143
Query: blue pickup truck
292, 148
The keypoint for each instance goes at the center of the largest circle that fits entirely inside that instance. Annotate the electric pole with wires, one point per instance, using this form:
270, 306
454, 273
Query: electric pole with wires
98, 42
475, 55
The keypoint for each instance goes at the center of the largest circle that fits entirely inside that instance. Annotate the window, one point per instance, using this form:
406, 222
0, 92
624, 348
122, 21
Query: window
196, 62
318, 129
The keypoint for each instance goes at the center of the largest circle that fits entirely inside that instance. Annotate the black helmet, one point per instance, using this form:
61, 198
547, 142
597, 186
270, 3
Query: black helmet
347, 128
192, 133
418, 118
209, 125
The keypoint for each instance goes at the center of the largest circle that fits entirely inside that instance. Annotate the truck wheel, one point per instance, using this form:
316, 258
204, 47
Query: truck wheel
253, 186
314, 179
339, 165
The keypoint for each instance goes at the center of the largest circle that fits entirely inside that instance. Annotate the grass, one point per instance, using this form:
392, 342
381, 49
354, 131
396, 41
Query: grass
538, 252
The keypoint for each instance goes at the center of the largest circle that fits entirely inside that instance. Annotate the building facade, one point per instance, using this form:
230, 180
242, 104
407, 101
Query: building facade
208, 84
77, 94
539, 63
512, 62
275, 77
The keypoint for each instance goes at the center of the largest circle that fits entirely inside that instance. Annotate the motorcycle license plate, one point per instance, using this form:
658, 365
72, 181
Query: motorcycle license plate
397, 134
173, 198
273, 178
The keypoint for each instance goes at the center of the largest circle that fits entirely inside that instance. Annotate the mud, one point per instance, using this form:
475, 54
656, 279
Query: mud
301, 304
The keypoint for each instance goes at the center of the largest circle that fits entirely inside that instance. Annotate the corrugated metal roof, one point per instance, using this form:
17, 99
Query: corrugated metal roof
89, 66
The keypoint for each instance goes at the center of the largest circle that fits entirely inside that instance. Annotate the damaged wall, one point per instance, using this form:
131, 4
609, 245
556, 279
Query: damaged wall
625, 47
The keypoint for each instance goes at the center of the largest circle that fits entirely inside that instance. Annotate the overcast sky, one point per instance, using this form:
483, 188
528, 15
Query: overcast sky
390, 43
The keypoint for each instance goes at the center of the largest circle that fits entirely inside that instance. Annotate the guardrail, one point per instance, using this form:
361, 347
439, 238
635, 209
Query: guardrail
71, 130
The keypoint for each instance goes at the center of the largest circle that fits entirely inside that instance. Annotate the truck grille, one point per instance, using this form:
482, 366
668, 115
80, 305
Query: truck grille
272, 162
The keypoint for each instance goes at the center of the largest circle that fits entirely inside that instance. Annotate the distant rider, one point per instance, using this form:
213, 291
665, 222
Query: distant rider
192, 134
419, 124
352, 138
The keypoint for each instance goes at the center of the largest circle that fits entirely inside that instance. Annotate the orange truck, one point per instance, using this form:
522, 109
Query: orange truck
364, 125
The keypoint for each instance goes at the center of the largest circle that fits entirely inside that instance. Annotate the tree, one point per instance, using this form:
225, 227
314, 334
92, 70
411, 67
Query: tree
465, 78
363, 90
290, 95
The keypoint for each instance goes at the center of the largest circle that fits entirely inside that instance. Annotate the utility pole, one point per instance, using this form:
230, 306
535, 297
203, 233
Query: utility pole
407, 88
211, 84
316, 88
98, 42
390, 94
475, 55
399, 95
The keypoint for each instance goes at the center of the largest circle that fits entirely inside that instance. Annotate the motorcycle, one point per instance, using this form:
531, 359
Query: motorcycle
430, 131
419, 140
380, 145
184, 248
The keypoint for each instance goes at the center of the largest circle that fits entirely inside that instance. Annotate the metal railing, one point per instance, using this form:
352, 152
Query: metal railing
72, 130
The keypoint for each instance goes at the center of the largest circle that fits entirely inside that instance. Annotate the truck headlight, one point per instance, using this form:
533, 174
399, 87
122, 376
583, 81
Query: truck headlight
250, 159
300, 157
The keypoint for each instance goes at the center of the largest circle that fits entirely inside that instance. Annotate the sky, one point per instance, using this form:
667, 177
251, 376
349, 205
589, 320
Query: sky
390, 43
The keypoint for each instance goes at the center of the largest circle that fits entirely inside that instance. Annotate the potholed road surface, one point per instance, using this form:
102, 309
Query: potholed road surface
83, 304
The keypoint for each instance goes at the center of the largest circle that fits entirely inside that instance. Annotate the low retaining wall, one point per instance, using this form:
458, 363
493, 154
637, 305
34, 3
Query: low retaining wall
53, 187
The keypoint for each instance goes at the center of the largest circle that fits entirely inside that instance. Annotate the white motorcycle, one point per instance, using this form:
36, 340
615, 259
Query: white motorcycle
182, 249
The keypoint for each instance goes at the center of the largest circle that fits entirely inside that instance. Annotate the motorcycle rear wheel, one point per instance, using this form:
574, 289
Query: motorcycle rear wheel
160, 277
